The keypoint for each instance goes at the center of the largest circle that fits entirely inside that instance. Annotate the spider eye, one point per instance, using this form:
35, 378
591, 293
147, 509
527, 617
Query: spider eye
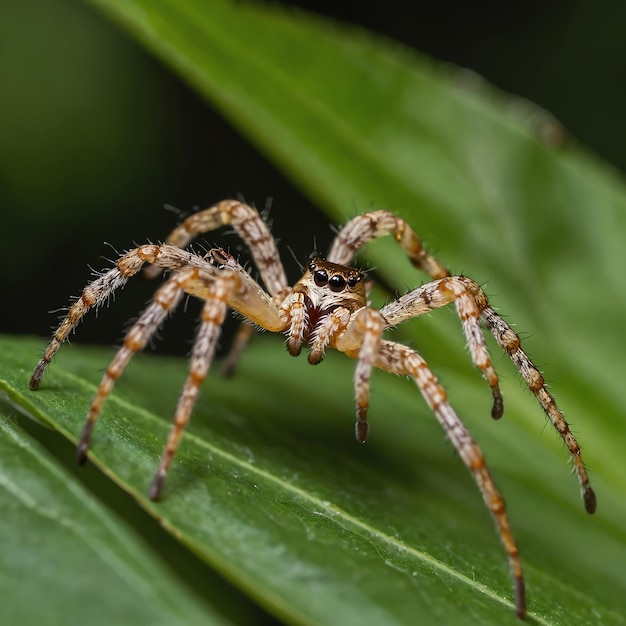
353, 281
320, 277
337, 282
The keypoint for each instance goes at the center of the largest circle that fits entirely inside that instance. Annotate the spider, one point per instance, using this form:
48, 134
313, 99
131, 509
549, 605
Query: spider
326, 308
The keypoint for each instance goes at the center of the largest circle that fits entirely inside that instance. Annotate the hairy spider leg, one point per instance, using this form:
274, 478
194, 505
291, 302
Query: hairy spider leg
437, 294
471, 303
399, 359
232, 288
165, 300
216, 278
98, 291
362, 340
255, 233
211, 320
365, 228
510, 342
249, 225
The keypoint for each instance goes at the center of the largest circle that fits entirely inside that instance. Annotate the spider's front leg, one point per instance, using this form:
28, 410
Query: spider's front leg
510, 342
472, 307
362, 229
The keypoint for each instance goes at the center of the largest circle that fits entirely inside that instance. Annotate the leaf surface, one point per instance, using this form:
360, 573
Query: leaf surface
269, 487
272, 491
60, 546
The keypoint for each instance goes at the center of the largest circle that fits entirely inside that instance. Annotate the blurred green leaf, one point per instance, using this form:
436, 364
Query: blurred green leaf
268, 486
66, 559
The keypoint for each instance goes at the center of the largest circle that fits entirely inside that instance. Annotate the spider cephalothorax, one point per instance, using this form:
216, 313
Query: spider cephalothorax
326, 308
327, 294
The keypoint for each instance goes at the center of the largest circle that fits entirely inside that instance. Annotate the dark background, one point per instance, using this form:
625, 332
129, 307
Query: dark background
97, 136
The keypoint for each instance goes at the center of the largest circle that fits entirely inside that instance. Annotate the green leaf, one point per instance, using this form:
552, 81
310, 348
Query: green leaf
269, 487
66, 558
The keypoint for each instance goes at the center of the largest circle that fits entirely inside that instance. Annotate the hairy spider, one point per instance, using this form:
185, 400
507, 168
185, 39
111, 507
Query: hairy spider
326, 308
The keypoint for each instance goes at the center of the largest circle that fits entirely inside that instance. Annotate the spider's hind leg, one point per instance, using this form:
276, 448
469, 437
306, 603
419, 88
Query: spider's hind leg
242, 337
98, 291
510, 342
255, 233
249, 225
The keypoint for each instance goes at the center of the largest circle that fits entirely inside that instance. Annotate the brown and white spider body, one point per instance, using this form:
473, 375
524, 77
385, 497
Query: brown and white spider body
326, 308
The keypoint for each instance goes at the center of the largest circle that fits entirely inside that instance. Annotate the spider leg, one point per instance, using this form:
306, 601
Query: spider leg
249, 225
239, 344
369, 226
361, 340
231, 287
509, 341
98, 291
213, 314
294, 309
437, 294
246, 297
165, 300
398, 359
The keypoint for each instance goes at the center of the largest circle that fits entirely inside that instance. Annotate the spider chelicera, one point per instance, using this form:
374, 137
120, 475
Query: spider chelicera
326, 308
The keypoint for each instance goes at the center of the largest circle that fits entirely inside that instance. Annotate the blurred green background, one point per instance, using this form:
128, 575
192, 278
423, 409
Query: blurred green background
97, 136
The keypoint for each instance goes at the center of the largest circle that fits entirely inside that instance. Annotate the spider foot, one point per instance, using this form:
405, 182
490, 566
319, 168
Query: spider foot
498, 404
589, 498
83, 444
361, 427
520, 598
157, 485
35, 379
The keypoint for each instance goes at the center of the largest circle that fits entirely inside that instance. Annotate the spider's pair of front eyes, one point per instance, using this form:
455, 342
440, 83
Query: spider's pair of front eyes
336, 282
